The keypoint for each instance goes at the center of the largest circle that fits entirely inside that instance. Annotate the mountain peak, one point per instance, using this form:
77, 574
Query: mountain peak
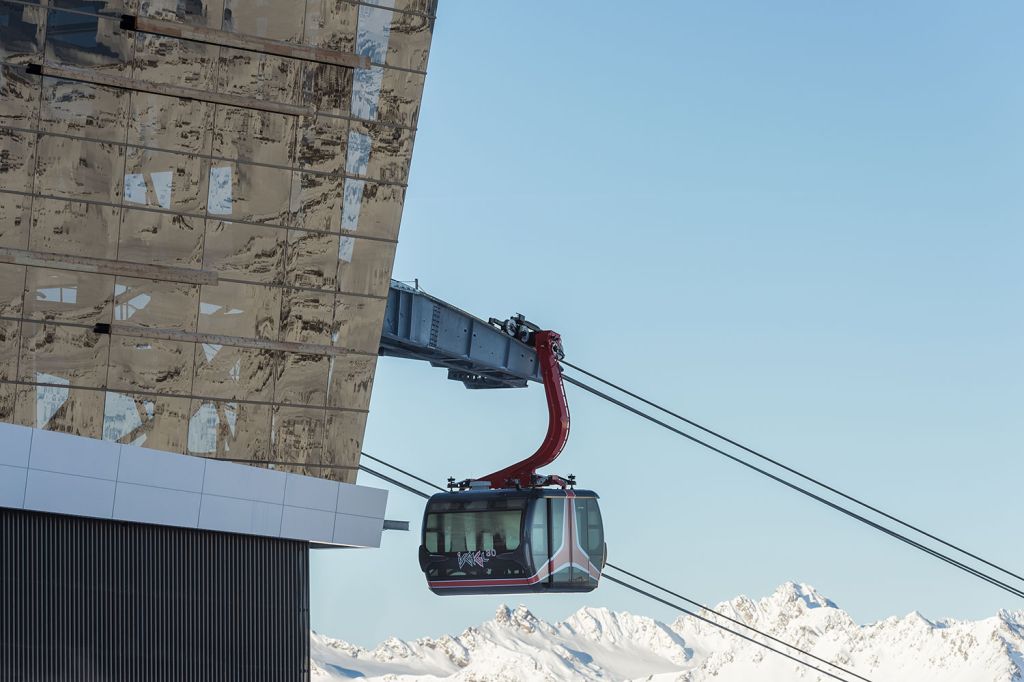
812, 599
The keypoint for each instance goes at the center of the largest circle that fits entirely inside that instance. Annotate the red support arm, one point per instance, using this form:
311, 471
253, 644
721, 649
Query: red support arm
548, 346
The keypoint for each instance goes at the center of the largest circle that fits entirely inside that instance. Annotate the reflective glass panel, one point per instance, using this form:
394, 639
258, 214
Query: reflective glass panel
22, 29
68, 296
357, 322
372, 209
171, 61
17, 156
253, 253
161, 238
57, 407
233, 372
322, 143
312, 259
242, 191
63, 355
342, 443
364, 266
141, 364
274, 19
175, 182
259, 75
84, 109
170, 123
229, 430
152, 303
316, 201
15, 218
88, 42
12, 287
147, 421
331, 24
379, 152
302, 379
350, 381
306, 316
79, 169
327, 88
75, 228
207, 13
236, 309
252, 135
298, 436
19, 93
10, 342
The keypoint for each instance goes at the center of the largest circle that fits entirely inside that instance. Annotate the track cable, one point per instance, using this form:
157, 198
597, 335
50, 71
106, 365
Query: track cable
793, 471
793, 486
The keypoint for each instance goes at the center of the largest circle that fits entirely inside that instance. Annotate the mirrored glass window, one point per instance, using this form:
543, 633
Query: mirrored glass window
19, 93
88, 42
236, 373
252, 253
68, 296
75, 228
144, 364
22, 27
229, 429
15, 219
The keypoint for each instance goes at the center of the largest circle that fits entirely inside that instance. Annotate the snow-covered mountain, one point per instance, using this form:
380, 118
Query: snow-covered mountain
598, 644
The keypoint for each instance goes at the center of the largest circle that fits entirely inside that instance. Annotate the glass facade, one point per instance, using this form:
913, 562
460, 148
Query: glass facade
199, 209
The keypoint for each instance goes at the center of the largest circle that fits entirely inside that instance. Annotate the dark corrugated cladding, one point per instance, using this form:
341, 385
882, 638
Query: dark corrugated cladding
86, 599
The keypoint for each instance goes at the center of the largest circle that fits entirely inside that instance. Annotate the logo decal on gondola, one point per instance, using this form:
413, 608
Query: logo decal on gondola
478, 558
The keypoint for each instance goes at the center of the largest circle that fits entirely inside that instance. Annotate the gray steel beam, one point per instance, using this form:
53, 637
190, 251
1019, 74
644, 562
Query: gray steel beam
418, 326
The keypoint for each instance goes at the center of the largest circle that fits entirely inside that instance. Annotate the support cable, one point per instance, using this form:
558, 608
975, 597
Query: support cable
638, 590
854, 515
791, 470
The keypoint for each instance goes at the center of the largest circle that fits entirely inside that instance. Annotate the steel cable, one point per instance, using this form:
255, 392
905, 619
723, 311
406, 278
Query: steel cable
843, 510
793, 471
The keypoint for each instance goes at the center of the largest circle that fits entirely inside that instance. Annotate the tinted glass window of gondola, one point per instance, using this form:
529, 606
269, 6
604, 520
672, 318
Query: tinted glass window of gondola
470, 531
588, 521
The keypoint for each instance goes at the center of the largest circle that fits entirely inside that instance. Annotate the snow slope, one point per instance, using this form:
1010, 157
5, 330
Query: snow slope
598, 644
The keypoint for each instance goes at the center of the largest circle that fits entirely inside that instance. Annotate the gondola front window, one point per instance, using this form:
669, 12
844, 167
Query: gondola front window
497, 531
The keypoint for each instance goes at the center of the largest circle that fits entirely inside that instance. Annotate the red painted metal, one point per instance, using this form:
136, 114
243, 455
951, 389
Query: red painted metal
548, 345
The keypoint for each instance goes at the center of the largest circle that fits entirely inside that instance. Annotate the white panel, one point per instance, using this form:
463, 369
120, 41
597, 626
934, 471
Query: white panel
240, 516
311, 493
362, 501
69, 494
12, 487
307, 524
241, 480
357, 531
146, 504
67, 454
162, 469
16, 440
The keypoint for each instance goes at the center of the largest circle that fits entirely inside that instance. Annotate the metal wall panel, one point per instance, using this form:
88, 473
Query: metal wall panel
84, 599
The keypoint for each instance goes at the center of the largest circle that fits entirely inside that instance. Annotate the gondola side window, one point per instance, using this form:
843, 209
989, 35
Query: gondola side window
468, 531
591, 531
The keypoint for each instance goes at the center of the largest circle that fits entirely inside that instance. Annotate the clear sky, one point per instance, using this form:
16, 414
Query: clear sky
800, 222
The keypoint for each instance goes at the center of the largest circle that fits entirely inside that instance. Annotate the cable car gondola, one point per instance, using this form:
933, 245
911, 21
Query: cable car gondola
514, 531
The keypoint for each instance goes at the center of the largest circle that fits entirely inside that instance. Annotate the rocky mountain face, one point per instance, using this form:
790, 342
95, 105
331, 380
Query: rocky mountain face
598, 644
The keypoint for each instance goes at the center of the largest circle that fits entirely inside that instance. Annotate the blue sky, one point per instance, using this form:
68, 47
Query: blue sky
799, 222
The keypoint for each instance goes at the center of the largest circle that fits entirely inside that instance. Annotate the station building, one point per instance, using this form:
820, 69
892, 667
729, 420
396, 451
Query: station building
199, 209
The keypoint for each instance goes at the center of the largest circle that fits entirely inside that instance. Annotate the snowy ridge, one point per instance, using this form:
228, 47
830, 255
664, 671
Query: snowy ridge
598, 644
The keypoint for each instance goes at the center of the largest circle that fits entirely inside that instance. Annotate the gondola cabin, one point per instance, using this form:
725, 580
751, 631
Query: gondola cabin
508, 541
